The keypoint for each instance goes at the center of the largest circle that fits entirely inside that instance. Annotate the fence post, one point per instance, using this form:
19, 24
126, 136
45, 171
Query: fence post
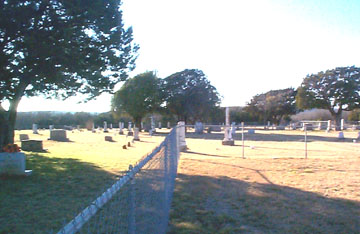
132, 228
242, 135
305, 128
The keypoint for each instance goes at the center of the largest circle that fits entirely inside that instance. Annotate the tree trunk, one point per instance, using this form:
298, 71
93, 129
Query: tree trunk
338, 121
8, 118
137, 121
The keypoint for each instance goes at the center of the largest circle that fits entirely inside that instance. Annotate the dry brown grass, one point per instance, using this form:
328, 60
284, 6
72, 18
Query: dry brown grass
273, 190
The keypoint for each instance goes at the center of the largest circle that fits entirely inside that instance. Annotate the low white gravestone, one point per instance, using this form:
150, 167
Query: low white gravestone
58, 135
51, 127
168, 125
13, 164
341, 136
32, 145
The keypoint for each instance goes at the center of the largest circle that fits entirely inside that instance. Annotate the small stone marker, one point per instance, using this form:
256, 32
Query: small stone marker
58, 135
78, 127
24, 137
168, 125
160, 125
233, 128
108, 138
93, 130
111, 126
280, 128
130, 132
341, 136
32, 145
51, 127
136, 134
35, 129
13, 164
251, 131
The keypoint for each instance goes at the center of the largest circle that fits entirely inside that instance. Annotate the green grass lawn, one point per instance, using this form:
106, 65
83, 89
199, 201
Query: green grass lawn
65, 179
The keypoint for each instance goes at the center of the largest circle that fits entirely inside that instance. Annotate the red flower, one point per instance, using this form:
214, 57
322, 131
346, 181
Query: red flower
11, 148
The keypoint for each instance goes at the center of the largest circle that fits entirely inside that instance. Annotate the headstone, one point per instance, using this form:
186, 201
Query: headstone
13, 164
168, 125
32, 145
121, 126
130, 132
136, 134
251, 131
51, 127
199, 128
78, 127
341, 136
58, 135
142, 125
105, 127
152, 124
93, 128
181, 134
111, 126
35, 129
159, 125
24, 137
108, 138
129, 126
293, 126
227, 133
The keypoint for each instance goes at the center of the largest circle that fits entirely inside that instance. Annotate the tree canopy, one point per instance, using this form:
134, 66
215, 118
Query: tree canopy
335, 90
60, 48
138, 96
273, 105
189, 95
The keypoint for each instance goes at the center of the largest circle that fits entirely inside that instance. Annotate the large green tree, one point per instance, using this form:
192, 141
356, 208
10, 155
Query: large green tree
60, 48
335, 90
273, 105
138, 96
190, 96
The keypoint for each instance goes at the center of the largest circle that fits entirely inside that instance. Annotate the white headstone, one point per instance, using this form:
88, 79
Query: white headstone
121, 126
111, 126
233, 128
93, 128
105, 126
342, 124
181, 133
136, 134
142, 125
51, 127
168, 125
199, 128
227, 132
129, 127
341, 135
35, 128
152, 124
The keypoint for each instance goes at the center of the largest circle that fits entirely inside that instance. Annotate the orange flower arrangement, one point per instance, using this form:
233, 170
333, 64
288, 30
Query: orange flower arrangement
11, 148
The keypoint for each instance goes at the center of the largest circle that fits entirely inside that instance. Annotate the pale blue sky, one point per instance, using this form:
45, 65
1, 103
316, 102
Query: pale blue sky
244, 47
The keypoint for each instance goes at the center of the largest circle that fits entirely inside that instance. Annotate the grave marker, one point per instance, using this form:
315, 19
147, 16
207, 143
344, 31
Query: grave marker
227, 133
35, 129
58, 135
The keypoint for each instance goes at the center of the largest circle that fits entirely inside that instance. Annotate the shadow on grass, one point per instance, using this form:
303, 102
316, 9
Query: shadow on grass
57, 189
267, 137
203, 204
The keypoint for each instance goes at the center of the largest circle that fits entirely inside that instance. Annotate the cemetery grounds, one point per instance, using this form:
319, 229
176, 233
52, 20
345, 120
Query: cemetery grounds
273, 190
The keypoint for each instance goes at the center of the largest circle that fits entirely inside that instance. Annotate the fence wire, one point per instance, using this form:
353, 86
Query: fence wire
139, 202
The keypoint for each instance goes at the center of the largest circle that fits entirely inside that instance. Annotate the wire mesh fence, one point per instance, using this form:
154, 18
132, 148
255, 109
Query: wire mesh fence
139, 202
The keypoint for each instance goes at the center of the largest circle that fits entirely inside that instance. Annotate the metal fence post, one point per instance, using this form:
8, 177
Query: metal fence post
305, 128
242, 135
132, 229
